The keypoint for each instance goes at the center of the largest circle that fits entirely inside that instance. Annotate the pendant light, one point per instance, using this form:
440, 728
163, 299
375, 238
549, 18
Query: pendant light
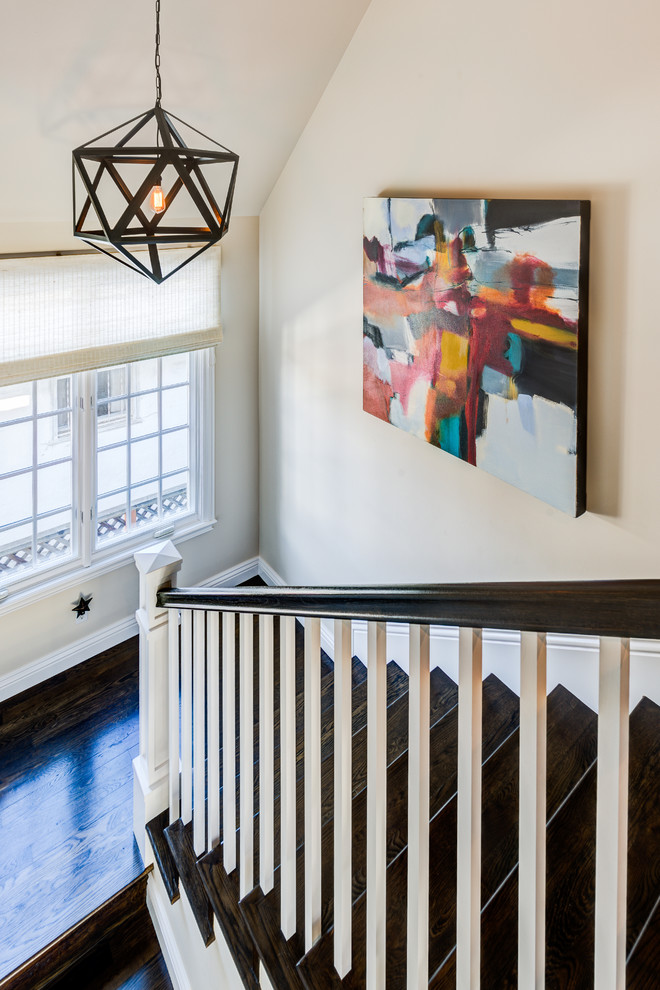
148, 188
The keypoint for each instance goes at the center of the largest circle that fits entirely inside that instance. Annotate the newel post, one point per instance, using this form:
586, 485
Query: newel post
158, 565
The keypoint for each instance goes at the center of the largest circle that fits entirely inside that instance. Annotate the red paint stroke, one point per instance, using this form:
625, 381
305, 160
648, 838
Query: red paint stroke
485, 318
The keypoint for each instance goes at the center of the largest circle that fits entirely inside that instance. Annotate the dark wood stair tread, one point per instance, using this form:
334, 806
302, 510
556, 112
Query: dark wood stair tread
500, 709
643, 818
163, 855
571, 748
570, 884
644, 961
180, 840
222, 888
500, 808
222, 891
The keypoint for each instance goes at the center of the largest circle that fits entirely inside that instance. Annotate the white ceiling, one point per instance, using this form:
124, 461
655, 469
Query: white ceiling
248, 74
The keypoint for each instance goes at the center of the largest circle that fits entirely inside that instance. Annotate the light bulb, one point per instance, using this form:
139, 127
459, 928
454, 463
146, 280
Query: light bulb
157, 199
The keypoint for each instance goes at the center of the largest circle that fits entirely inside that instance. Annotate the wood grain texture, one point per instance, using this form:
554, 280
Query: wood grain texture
571, 747
162, 854
222, 890
152, 975
180, 840
500, 719
221, 887
601, 608
66, 795
644, 962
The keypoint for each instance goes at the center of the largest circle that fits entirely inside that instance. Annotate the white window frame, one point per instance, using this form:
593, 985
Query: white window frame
86, 562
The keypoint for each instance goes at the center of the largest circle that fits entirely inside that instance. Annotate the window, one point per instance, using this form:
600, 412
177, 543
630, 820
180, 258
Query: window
94, 463
36, 476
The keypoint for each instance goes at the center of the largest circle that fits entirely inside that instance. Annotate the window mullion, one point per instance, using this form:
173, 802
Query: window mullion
86, 465
35, 463
160, 440
129, 435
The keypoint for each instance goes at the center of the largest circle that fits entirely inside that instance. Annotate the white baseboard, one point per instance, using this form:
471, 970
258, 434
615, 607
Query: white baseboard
270, 575
60, 660
234, 575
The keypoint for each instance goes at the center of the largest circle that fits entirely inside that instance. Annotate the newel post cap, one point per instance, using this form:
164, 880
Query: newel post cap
157, 564
157, 556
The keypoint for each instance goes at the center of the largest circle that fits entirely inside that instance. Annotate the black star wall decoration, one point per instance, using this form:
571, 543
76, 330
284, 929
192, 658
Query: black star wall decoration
82, 606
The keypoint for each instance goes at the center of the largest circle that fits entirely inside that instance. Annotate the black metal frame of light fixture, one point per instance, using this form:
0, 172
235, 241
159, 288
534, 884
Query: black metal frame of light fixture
91, 161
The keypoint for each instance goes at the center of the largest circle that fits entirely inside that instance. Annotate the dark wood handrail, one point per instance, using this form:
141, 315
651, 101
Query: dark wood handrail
602, 608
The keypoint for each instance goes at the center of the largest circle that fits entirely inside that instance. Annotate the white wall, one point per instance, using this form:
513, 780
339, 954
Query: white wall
31, 633
507, 99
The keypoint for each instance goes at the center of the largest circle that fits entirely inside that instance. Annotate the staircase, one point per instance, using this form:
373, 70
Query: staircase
263, 908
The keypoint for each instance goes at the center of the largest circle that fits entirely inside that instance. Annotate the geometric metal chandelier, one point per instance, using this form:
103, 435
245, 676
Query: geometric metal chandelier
148, 190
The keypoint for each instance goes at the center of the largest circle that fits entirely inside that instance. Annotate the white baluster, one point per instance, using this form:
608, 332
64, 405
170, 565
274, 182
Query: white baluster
246, 687
199, 735
612, 814
266, 756
312, 781
229, 741
343, 827
419, 785
531, 871
213, 724
186, 716
288, 775
376, 804
468, 896
173, 702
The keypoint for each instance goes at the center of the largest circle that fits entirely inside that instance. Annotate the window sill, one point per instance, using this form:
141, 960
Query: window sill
74, 574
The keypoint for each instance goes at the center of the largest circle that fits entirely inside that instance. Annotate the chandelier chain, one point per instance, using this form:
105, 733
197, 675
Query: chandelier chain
157, 55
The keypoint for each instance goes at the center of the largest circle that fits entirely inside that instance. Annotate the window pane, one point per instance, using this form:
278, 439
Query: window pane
111, 517
53, 394
15, 401
111, 430
144, 504
175, 369
144, 500
15, 448
110, 383
175, 407
176, 498
54, 537
144, 375
54, 489
53, 443
144, 459
111, 470
144, 414
175, 451
15, 551
16, 498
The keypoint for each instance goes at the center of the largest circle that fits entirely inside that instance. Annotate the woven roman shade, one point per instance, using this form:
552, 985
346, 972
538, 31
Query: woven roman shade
60, 315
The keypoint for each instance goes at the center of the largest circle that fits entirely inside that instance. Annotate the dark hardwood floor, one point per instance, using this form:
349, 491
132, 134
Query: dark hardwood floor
66, 803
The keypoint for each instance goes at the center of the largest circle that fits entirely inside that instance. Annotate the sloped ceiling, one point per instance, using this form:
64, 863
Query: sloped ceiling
249, 74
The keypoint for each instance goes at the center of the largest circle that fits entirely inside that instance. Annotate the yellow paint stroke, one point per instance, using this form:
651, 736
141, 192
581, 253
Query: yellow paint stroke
554, 335
454, 354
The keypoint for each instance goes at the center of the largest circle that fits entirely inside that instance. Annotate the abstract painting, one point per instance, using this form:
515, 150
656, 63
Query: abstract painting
475, 323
